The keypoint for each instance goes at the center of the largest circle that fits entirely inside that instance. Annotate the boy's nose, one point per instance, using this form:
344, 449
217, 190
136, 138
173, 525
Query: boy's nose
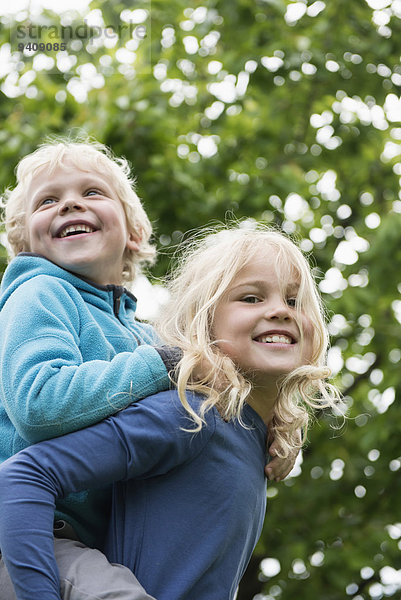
71, 203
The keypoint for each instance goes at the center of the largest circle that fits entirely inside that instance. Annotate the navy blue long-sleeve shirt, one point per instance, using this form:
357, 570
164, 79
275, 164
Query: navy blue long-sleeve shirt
188, 508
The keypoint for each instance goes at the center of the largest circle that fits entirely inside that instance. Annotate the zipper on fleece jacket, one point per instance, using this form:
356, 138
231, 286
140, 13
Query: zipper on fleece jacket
117, 293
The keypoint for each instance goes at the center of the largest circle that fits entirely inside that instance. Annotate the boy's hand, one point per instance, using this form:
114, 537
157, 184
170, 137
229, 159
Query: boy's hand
171, 356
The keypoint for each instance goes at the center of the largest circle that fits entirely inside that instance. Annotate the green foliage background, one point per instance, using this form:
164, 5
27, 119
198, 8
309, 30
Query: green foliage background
288, 112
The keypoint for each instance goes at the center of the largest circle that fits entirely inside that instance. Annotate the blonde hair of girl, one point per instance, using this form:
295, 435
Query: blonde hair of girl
206, 269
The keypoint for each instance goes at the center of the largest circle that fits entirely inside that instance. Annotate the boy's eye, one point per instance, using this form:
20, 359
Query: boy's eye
250, 299
46, 201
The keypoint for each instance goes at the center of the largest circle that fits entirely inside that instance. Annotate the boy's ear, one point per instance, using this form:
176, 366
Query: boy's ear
23, 245
133, 241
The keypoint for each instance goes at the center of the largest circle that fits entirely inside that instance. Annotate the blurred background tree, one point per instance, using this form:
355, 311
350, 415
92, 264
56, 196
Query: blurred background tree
283, 111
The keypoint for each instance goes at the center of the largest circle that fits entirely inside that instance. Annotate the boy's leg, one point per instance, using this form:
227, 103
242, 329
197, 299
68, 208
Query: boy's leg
6, 587
86, 574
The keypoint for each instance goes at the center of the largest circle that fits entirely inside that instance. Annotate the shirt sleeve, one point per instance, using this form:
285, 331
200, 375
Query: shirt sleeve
144, 440
47, 388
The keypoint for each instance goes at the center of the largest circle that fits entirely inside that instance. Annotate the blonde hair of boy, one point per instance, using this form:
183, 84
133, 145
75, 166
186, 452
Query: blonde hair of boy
88, 156
207, 268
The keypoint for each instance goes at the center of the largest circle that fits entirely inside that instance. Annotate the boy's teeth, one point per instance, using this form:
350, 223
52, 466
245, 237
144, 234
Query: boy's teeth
76, 228
281, 339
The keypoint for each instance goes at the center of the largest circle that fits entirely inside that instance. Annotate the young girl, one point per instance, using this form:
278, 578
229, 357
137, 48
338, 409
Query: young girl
189, 492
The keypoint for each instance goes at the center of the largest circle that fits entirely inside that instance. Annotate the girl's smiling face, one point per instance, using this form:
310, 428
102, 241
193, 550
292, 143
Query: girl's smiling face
255, 324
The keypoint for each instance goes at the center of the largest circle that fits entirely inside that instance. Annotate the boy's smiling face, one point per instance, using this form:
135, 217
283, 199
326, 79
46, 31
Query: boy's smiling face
75, 219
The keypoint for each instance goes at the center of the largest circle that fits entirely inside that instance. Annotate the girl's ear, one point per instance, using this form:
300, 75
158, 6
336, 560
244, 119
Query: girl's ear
133, 241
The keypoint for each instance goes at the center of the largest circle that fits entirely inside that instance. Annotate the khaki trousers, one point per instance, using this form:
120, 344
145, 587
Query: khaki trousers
85, 574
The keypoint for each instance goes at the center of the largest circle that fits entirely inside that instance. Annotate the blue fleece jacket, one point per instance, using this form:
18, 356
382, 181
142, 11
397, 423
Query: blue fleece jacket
71, 354
187, 511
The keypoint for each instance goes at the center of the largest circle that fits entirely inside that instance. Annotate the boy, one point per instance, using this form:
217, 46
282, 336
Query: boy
71, 351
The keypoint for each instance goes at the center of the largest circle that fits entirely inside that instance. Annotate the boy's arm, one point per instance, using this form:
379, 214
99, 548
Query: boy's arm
143, 439
46, 386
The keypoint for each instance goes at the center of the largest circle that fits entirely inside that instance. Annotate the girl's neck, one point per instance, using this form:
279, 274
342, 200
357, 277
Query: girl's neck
263, 402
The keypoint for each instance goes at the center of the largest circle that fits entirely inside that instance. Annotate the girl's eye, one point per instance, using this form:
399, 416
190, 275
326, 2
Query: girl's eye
291, 302
93, 193
250, 299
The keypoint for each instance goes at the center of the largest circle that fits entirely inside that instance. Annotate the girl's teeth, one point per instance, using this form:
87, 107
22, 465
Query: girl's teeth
275, 339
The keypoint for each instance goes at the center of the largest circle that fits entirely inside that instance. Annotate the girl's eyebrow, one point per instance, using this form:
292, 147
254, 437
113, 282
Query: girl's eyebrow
250, 283
292, 287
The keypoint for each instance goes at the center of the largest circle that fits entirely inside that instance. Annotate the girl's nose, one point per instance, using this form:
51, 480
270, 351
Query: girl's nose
278, 309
